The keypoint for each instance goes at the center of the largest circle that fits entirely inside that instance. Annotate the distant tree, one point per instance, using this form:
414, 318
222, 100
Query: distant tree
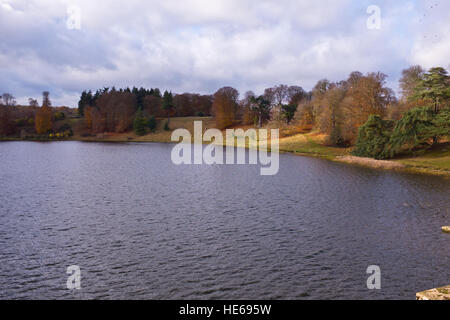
46, 99
59, 115
365, 96
296, 95
86, 100
281, 94
435, 86
269, 95
153, 106
248, 114
8, 99
43, 118
33, 102
225, 106
304, 116
288, 111
331, 118
167, 104
116, 111
157, 93
6, 123
140, 123
409, 80
261, 106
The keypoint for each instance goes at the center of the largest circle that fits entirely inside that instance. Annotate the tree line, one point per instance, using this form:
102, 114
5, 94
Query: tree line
32, 119
115, 110
358, 111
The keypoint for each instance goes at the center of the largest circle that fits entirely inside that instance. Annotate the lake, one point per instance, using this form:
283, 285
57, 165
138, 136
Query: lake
140, 227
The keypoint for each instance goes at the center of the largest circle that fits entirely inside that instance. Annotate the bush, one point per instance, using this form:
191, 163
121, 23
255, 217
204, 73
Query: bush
59, 116
373, 137
66, 129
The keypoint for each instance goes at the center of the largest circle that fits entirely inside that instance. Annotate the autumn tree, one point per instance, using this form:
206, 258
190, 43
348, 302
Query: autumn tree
6, 123
296, 94
366, 96
116, 111
43, 118
225, 106
331, 118
410, 80
153, 106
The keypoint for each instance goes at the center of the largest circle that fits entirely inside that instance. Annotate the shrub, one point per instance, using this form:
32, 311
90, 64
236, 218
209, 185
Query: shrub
59, 115
66, 129
373, 137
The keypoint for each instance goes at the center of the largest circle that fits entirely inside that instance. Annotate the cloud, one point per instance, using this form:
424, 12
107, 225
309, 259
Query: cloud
200, 46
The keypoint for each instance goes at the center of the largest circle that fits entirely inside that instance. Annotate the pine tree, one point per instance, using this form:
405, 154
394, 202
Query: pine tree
167, 104
434, 86
140, 123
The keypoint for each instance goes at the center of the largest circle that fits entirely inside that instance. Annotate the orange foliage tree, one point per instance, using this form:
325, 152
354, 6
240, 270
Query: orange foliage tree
43, 118
225, 106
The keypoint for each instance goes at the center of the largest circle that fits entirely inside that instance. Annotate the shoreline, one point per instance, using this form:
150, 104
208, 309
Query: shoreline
346, 158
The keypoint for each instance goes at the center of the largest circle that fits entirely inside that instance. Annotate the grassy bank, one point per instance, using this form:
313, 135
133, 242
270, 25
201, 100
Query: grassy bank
435, 161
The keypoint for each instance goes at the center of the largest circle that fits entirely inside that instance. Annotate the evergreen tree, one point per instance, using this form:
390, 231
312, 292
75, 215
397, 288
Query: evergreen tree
373, 137
288, 111
167, 104
261, 106
140, 123
434, 86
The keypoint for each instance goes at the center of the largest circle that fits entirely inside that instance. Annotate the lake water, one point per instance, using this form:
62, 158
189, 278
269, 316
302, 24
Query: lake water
140, 227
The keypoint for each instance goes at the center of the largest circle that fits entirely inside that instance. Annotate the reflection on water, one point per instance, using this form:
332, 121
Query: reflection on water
142, 228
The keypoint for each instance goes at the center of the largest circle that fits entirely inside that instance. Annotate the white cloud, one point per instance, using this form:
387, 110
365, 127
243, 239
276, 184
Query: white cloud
199, 46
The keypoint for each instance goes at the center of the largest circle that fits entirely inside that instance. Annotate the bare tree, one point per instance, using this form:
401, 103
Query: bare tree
45, 99
8, 99
296, 94
281, 94
33, 102
410, 79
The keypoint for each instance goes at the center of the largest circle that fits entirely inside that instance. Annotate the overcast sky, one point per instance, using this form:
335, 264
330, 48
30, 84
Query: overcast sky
202, 45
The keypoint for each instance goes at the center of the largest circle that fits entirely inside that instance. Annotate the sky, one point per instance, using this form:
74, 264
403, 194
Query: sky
67, 46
